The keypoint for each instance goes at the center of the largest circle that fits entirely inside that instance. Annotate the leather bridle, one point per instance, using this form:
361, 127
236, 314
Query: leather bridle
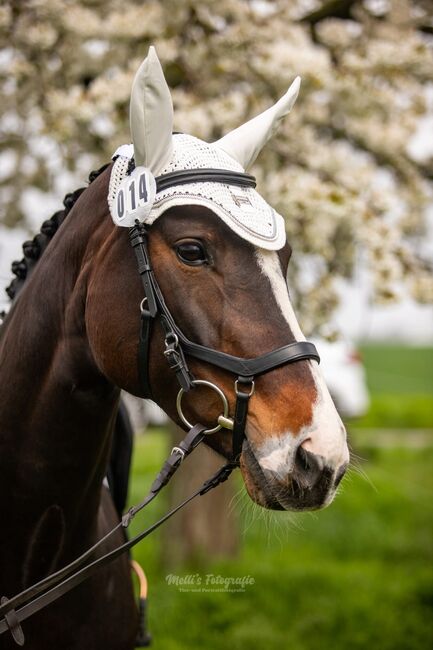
177, 349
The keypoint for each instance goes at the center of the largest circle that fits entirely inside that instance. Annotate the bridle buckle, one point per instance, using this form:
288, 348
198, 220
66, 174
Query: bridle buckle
176, 360
245, 381
143, 309
178, 450
171, 351
171, 342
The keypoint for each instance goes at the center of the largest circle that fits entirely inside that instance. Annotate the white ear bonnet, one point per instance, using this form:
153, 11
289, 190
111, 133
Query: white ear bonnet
157, 152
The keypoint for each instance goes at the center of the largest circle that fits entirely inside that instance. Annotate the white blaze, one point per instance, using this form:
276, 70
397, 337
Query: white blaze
325, 435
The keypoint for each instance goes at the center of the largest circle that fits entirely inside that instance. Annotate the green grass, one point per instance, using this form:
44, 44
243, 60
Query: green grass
399, 411
400, 380
398, 369
357, 575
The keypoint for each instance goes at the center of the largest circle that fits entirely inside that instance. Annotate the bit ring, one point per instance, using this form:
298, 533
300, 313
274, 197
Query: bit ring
203, 382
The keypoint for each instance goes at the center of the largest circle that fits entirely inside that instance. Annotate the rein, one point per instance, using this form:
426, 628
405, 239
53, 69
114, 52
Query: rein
57, 584
177, 347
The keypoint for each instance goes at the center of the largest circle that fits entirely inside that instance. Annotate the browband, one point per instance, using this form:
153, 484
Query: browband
207, 175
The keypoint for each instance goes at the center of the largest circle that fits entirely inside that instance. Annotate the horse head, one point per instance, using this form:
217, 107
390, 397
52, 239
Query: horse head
219, 255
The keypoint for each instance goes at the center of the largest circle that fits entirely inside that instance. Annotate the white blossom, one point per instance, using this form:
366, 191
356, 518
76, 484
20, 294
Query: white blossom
338, 169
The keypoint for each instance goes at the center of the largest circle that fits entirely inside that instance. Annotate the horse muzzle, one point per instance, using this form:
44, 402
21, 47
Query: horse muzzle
306, 482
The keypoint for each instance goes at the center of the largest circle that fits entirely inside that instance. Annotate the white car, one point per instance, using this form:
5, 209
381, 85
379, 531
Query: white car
345, 376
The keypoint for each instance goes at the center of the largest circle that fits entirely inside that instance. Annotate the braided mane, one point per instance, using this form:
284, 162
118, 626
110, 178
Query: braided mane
34, 248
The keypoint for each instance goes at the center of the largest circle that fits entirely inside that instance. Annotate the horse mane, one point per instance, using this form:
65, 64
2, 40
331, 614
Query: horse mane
33, 249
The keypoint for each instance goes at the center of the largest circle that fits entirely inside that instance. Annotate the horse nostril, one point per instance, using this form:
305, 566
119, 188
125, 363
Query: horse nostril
308, 466
341, 472
302, 460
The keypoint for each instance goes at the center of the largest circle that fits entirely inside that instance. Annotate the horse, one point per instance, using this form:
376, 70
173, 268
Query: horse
70, 343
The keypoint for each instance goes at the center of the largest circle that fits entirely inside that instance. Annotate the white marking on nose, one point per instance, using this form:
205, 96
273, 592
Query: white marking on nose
269, 264
325, 435
277, 454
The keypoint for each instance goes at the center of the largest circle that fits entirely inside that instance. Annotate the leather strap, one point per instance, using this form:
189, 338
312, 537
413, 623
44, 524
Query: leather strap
290, 353
178, 346
12, 622
137, 235
64, 575
178, 454
143, 352
59, 583
208, 175
175, 356
60, 589
241, 412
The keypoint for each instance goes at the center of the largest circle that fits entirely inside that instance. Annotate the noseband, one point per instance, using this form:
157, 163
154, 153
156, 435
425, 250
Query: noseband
178, 347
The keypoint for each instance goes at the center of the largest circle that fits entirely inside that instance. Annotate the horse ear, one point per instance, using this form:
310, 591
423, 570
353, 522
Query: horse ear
245, 143
151, 115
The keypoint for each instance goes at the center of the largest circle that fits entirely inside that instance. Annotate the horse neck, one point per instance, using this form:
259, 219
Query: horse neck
56, 408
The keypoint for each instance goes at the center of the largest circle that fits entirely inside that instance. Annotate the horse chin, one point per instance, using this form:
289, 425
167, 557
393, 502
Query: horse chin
274, 497
258, 488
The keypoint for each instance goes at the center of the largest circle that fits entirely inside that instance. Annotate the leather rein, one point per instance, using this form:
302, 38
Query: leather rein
177, 348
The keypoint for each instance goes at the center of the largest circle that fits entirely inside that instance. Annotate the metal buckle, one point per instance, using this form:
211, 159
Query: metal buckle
171, 351
171, 345
179, 451
203, 382
171, 342
241, 392
142, 308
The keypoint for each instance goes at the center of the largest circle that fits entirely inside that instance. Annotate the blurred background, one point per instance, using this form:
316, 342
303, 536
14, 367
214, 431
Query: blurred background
351, 170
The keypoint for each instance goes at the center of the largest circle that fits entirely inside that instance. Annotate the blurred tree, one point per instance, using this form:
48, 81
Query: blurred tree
209, 525
340, 168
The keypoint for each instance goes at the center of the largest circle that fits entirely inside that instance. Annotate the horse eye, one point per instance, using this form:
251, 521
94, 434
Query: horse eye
191, 253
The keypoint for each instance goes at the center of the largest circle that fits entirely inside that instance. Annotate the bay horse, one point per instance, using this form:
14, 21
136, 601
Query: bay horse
70, 341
